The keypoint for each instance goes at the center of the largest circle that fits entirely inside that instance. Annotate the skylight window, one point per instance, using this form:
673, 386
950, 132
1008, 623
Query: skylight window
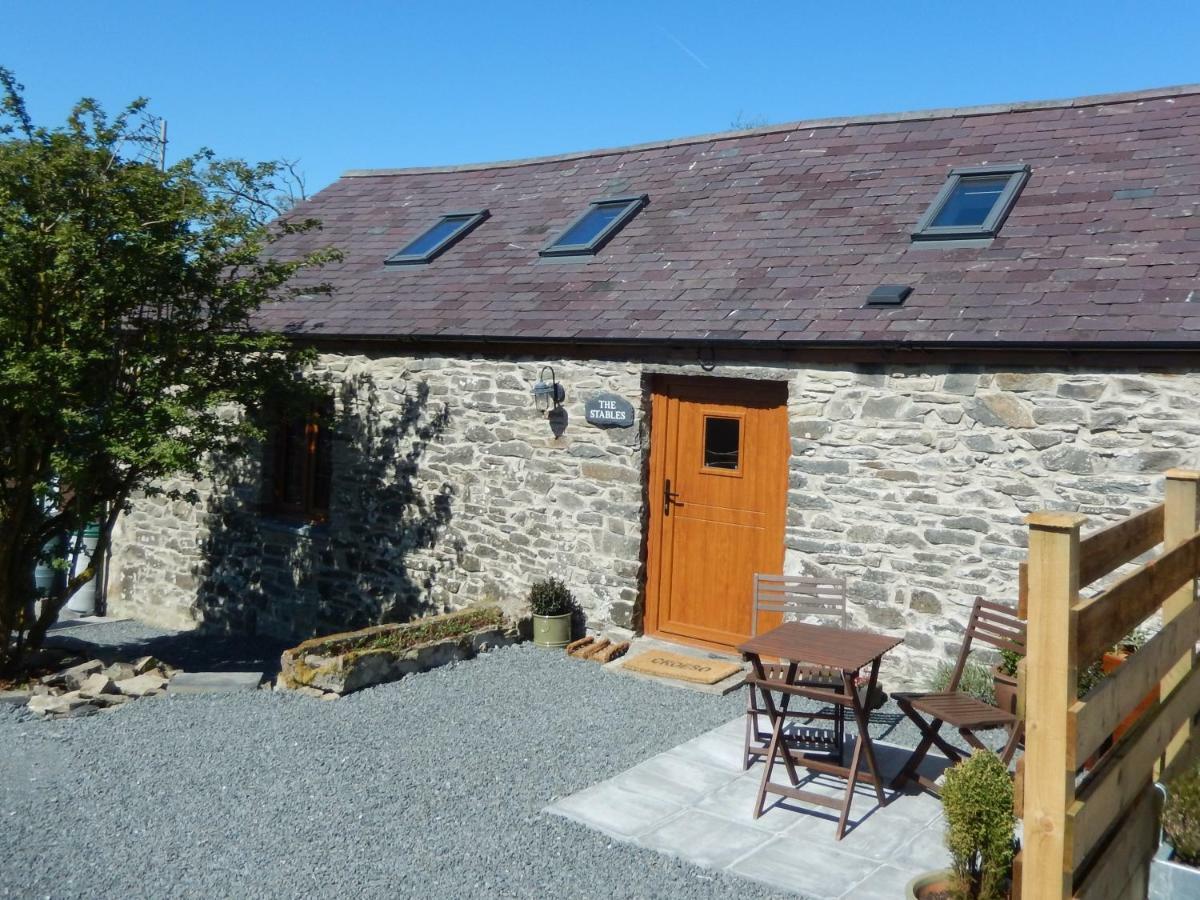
973, 203
445, 232
599, 222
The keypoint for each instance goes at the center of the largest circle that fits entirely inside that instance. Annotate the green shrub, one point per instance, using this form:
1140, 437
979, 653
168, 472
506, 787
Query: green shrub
1135, 640
977, 799
1009, 659
550, 598
1181, 816
1088, 678
976, 680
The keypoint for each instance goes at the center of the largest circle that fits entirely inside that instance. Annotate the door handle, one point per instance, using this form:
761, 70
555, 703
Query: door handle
668, 496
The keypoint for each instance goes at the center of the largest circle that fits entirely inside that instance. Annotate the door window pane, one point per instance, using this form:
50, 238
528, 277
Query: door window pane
721, 440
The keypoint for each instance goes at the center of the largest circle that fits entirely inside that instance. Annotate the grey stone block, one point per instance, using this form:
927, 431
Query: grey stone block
214, 682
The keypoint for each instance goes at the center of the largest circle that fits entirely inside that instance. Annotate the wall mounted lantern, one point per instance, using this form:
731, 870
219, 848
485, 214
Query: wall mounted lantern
547, 395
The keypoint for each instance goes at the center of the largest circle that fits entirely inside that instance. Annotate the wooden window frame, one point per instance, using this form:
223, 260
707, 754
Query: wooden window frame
316, 477
739, 416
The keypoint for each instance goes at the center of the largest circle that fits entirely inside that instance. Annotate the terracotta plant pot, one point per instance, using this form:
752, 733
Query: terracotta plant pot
1006, 690
928, 885
1109, 664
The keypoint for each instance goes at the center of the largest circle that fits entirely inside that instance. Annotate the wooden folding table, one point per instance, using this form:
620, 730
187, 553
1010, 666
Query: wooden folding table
848, 651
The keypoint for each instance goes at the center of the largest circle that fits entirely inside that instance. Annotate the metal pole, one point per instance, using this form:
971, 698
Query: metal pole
162, 144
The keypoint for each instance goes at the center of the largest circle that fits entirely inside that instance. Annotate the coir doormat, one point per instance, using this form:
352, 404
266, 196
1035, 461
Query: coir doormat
682, 668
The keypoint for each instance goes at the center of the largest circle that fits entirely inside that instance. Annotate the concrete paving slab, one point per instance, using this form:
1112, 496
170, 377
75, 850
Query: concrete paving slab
885, 883
723, 751
614, 810
868, 834
910, 809
735, 802
735, 728
673, 777
213, 682
704, 839
805, 867
925, 852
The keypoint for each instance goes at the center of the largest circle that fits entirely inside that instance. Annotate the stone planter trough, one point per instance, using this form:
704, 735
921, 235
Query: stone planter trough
1172, 880
353, 660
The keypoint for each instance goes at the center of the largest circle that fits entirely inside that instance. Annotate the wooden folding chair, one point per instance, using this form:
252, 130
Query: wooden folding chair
993, 624
818, 600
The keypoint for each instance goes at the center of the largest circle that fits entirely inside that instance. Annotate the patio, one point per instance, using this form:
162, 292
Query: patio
695, 802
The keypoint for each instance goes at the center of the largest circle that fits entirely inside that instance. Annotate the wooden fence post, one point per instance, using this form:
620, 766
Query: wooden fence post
1051, 665
1179, 524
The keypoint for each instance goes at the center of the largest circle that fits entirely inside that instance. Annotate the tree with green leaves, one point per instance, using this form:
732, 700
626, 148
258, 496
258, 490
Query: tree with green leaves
127, 300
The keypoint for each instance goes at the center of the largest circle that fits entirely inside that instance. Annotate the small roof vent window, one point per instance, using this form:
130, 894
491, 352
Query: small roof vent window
441, 236
599, 222
889, 295
973, 203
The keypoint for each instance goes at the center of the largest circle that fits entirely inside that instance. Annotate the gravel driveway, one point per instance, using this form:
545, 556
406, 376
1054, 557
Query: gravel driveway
432, 787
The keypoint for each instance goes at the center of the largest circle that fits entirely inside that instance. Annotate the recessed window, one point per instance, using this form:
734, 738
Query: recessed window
298, 466
722, 442
595, 226
973, 203
444, 233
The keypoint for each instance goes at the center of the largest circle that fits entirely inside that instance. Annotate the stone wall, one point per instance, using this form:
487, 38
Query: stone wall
912, 482
448, 488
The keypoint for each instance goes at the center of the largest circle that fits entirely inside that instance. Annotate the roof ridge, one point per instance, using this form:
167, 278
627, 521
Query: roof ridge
804, 124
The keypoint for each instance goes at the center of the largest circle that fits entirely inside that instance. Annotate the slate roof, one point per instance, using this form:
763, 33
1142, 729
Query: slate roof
778, 234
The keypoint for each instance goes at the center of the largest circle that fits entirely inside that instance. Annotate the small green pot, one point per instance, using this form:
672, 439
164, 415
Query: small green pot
552, 631
918, 886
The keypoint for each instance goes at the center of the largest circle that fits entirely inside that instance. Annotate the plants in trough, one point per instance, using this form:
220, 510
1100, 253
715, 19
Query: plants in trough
1181, 817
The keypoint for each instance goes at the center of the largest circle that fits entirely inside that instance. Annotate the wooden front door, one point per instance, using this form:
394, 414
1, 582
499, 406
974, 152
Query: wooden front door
718, 497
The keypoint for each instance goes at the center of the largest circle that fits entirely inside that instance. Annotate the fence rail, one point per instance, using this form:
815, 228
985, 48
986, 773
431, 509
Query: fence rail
1091, 834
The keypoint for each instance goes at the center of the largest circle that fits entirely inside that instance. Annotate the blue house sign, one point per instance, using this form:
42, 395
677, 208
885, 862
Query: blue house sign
609, 411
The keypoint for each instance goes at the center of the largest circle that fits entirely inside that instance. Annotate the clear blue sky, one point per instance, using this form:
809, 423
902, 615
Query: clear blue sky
341, 84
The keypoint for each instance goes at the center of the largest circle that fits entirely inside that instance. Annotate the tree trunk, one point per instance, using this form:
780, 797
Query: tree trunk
17, 596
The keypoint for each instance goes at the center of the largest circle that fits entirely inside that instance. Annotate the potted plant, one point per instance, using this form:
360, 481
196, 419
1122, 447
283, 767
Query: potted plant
1176, 873
553, 607
977, 799
1117, 657
1004, 680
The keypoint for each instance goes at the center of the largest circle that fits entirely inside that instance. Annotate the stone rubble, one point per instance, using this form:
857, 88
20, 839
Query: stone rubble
141, 685
80, 688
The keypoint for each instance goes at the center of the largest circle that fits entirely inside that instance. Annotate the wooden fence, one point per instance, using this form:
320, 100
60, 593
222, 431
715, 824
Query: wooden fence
1091, 834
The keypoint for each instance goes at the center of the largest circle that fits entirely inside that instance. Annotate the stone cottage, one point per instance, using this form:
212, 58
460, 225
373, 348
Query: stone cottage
864, 347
